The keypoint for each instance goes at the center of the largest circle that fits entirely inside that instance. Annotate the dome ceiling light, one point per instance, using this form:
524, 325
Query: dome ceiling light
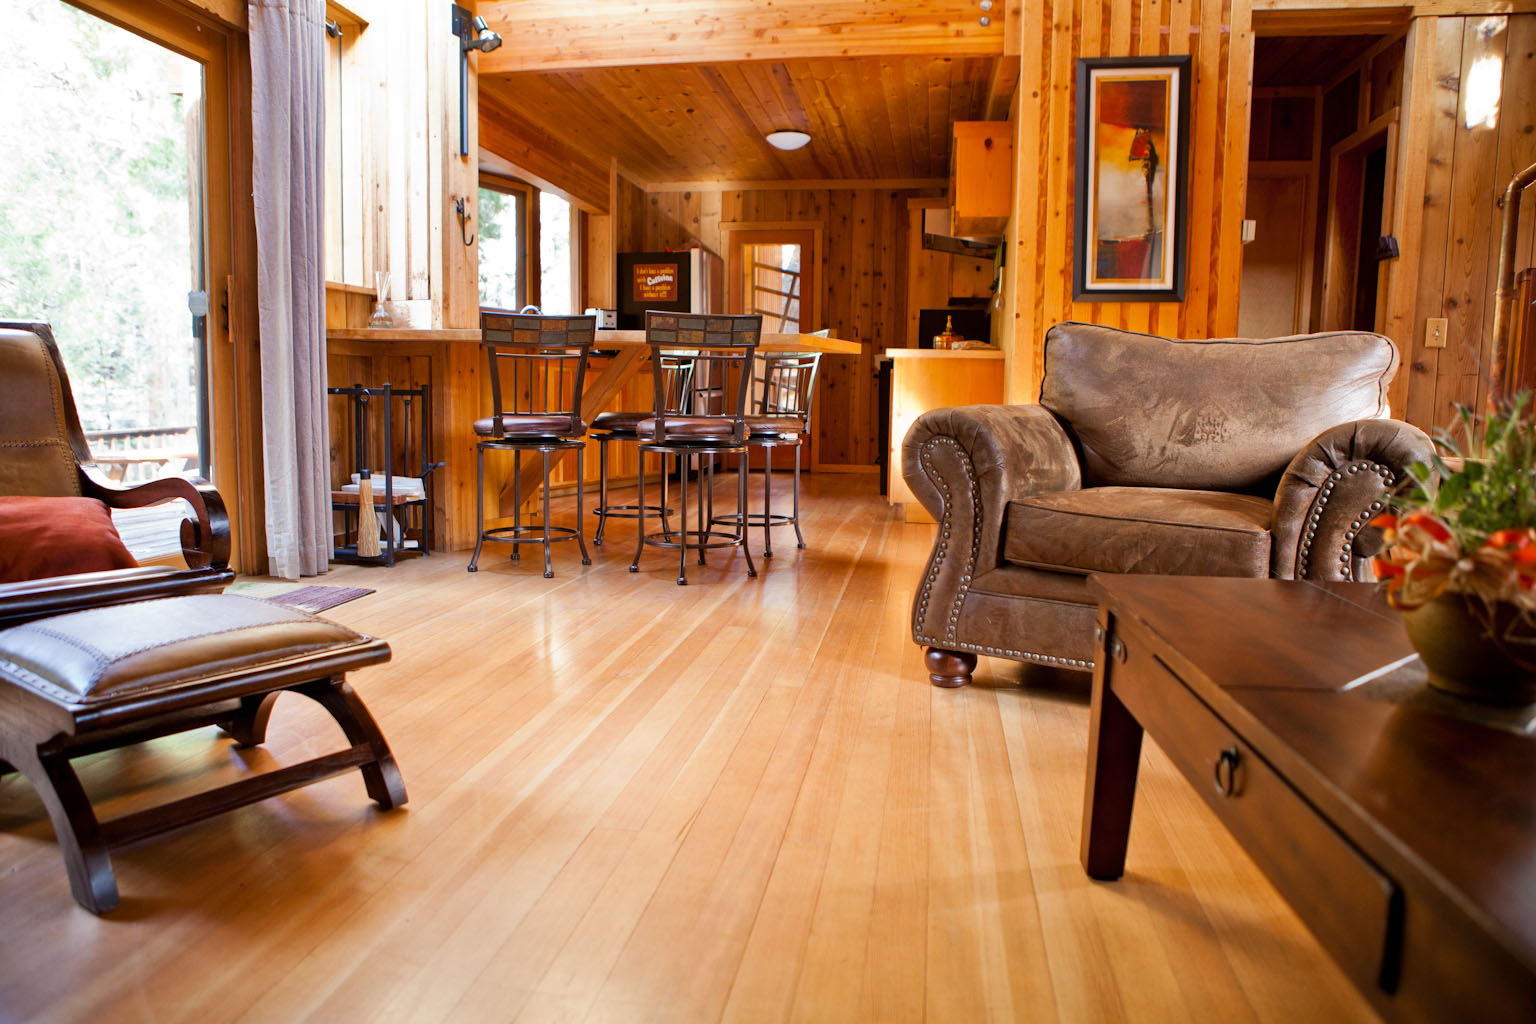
787, 138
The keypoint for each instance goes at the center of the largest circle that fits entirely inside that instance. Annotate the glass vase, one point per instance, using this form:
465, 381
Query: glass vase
380, 317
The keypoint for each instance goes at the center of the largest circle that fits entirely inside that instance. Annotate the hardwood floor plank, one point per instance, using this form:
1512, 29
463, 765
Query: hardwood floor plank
633, 801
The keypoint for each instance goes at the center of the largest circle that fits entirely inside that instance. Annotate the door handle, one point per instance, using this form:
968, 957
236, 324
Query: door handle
1226, 771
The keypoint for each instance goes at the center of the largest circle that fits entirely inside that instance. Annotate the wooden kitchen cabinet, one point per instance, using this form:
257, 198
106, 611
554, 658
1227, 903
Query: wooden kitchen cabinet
980, 178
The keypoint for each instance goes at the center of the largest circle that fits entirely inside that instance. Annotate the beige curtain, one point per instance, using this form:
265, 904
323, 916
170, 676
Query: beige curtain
288, 128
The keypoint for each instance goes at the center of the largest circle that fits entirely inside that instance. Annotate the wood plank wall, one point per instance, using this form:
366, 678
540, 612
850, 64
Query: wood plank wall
1449, 180
1218, 33
400, 106
863, 273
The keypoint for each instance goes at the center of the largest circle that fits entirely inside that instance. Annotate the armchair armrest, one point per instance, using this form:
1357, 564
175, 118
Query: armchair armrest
1331, 491
965, 464
204, 541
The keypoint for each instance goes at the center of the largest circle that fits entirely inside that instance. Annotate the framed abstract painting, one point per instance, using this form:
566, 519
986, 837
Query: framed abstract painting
1132, 179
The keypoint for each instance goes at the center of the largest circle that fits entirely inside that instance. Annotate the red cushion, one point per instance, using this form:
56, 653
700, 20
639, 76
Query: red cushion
41, 537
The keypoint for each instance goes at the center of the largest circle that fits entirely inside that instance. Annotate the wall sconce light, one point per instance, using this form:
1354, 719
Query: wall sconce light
474, 34
787, 138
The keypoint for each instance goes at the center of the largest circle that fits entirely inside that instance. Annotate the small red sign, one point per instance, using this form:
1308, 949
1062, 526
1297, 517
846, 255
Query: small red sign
655, 282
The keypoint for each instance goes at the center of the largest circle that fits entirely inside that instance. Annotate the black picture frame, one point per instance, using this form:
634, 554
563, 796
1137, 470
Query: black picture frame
1100, 263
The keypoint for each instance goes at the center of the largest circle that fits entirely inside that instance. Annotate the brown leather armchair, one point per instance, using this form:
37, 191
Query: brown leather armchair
43, 453
1229, 457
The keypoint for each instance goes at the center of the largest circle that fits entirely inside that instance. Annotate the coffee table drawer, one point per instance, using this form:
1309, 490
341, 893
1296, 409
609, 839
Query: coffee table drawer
1347, 902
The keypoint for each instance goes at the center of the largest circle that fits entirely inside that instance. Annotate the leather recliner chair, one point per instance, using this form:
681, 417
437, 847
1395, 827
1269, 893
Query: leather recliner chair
1225, 457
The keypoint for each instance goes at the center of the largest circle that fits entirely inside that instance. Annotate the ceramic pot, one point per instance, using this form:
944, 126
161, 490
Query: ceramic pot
1463, 656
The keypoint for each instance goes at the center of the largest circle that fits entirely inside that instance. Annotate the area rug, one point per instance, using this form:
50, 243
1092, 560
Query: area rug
308, 598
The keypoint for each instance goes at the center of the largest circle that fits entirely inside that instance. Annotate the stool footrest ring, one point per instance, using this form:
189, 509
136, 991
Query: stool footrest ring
527, 534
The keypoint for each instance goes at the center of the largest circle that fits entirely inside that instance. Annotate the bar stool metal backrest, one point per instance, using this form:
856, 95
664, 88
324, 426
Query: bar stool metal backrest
784, 384
712, 406
538, 369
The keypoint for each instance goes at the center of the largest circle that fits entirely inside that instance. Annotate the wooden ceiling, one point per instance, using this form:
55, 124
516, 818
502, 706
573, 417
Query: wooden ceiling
684, 100
1305, 60
868, 118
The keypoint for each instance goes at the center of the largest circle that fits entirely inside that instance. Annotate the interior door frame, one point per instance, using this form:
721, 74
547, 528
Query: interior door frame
733, 236
1340, 253
1304, 171
812, 299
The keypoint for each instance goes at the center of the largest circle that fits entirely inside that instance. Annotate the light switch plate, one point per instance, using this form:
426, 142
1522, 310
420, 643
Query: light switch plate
1435, 330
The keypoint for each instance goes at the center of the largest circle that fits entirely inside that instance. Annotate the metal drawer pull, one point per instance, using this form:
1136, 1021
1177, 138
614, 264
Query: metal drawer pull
1226, 771
1117, 649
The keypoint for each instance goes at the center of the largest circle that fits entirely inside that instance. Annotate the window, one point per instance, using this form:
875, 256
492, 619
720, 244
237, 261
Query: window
771, 271
515, 271
772, 284
556, 281
503, 246
101, 227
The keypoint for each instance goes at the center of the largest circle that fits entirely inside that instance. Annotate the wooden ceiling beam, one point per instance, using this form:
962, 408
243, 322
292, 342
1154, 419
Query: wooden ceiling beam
541, 158
549, 35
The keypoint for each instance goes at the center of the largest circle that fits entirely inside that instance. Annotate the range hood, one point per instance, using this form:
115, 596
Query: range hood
936, 236
959, 246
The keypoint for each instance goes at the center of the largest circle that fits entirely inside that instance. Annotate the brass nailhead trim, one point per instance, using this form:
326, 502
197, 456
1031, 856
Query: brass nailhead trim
1324, 493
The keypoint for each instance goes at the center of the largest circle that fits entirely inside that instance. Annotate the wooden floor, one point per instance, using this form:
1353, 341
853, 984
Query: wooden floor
633, 801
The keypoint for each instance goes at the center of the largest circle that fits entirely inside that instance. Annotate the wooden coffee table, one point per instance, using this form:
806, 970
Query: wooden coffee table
1399, 824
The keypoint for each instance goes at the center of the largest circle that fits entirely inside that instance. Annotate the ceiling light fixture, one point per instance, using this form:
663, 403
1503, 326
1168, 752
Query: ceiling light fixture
787, 138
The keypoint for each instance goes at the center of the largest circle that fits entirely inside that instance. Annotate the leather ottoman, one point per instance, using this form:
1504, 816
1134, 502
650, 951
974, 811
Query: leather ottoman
106, 677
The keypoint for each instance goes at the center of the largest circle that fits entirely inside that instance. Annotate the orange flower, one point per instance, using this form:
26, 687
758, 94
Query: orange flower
1518, 545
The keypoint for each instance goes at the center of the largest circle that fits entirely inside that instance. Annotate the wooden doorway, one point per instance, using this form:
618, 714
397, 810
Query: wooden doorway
1320, 162
772, 272
773, 269
1277, 264
1361, 171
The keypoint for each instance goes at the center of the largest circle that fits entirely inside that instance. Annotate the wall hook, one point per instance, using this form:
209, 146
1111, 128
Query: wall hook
464, 218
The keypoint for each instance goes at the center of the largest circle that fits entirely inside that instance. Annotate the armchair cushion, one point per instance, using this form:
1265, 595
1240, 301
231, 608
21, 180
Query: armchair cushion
1141, 530
1224, 414
41, 537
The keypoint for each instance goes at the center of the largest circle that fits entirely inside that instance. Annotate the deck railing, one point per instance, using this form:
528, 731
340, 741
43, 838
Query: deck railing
136, 455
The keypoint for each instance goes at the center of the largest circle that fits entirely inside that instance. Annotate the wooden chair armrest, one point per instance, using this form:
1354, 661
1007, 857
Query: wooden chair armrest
204, 541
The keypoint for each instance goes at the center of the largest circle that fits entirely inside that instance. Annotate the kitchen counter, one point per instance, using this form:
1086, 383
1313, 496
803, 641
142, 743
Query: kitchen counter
928, 378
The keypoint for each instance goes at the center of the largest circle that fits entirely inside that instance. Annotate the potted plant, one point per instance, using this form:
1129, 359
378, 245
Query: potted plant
1460, 556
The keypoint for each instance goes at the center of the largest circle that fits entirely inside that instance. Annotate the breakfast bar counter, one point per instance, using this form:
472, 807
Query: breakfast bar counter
451, 365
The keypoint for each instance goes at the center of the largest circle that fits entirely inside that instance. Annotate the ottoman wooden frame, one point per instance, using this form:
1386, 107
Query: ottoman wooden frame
42, 727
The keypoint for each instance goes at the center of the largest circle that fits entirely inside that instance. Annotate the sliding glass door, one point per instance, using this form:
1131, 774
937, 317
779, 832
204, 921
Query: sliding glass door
102, 227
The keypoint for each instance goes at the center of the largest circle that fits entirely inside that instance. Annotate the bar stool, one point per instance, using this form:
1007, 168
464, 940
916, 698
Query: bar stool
779, 416
677, 376
721, 348
546, 358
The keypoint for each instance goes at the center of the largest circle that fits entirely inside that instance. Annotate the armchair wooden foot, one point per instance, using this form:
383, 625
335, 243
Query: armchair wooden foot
949, 668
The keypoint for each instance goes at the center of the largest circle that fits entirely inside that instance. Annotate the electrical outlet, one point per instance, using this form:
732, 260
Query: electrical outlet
1435, 330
